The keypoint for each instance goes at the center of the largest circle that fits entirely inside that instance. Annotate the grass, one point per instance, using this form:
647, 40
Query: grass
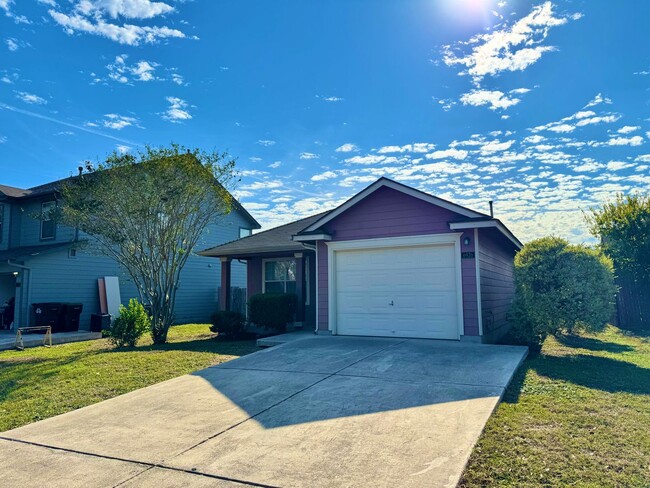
43, 382
576, 414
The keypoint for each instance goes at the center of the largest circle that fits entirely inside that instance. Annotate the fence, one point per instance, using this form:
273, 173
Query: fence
633, 303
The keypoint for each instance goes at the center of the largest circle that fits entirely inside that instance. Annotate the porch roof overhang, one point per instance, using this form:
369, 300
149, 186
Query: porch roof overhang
270, 242
482, 223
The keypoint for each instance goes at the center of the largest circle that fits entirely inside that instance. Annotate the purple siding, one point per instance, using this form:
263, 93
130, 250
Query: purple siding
390, 213
253, 276
496, 264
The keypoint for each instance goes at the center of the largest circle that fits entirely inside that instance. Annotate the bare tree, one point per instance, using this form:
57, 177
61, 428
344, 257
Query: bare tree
148, 211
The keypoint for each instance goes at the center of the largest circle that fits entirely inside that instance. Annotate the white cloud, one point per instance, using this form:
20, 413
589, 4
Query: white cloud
118, 122
496, 146
177, 111
90, 17
265, 142
448, 153
130, 9
263, 185
618, 165
626, 141
178, 79
30, 98
3, 139
327, 175
418, 147
348, 147
123, 149
512, 48
627, 129
644, 158
331, 99
495, 99
12, 44
597, 100
143, 70
308, 155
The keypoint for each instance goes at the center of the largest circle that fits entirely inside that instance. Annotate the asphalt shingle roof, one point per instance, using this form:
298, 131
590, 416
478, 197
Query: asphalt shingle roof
278, 239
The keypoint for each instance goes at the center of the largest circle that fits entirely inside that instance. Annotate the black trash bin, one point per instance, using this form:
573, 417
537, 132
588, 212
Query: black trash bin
100, 322
71, 316
48, 314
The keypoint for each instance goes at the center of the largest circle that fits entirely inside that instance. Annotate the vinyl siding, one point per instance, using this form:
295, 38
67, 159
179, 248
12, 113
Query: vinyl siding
56, 277
390, 213
30, 225
496, 267
5, 209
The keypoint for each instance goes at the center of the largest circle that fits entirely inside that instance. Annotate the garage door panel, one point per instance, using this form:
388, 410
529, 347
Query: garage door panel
420, 282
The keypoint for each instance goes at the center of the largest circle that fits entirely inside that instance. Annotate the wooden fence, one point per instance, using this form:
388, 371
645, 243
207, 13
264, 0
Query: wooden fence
633, 303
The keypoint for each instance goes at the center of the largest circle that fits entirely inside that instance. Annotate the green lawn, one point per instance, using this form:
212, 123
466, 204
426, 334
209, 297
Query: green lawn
577, 414
42, 382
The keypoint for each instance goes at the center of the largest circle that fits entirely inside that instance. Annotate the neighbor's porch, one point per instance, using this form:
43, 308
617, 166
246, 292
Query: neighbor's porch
277, 272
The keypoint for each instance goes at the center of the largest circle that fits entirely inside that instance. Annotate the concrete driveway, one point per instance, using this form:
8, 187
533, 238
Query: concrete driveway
318, 412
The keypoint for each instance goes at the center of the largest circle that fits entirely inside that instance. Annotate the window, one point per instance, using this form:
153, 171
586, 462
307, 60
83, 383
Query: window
48, 224
244, 232
2, 220
280, 276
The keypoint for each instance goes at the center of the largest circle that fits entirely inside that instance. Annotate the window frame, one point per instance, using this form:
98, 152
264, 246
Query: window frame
275, 260
250, 232
43, 220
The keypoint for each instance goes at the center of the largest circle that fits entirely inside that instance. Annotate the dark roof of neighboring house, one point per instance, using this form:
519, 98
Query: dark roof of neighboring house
54, 186
278, 239
31, 251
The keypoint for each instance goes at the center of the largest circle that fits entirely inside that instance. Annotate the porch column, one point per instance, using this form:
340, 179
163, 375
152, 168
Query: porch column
224, 293
300, 287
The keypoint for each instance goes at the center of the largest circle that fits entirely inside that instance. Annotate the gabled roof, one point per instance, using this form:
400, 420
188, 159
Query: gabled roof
388, 183
278, 239
55, 186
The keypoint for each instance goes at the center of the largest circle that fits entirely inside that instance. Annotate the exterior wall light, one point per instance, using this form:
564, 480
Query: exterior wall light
466, 241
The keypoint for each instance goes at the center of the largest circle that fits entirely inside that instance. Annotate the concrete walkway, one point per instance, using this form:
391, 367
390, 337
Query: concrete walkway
318, 412
8, 338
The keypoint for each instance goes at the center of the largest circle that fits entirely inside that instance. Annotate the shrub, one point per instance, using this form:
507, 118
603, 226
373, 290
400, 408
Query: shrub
272, 310
560, 288
131, 324
228, 323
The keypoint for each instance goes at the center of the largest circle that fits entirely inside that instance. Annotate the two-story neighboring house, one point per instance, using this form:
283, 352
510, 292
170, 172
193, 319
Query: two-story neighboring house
44, 261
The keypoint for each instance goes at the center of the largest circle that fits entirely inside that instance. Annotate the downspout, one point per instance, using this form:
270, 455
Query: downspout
23, 294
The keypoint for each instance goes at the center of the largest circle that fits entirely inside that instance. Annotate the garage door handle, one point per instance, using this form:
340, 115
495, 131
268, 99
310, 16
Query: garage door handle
391, 303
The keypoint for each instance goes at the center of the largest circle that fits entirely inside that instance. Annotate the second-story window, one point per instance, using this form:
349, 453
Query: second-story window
243, 232
48, 222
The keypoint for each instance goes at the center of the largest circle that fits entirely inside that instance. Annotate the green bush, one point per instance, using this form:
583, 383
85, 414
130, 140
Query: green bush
132, 323
272, 310
228, 323
560, 288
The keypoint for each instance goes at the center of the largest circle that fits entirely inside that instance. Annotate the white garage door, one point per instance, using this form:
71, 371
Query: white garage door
397, 292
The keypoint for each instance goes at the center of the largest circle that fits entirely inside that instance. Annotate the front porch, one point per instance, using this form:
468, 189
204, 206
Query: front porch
8, 338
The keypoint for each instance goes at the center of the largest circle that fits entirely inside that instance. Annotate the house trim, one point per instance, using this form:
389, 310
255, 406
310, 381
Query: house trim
393, 242
312, 237
487, 223
385, 182
479, 307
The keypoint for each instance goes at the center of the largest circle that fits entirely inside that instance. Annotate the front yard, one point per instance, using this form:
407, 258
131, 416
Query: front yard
43, 382
578, 414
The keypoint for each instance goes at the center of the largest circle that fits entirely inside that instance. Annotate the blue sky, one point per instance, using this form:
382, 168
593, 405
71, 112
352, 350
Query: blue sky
543, 107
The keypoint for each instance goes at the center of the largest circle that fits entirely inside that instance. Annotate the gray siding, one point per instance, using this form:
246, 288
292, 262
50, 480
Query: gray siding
496, 269
57, 277
30, 226
5, 209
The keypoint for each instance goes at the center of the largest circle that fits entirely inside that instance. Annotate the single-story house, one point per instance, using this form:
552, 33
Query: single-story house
392, 261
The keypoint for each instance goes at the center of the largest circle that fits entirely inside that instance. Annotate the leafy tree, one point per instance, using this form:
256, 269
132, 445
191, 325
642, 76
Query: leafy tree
148, 211
623, 227
560, 287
